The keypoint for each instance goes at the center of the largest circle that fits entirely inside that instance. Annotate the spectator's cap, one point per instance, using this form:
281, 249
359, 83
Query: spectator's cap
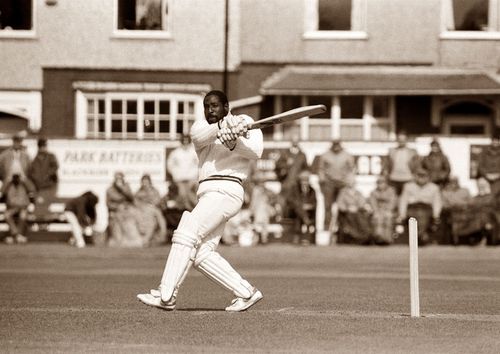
421, 172
42, 142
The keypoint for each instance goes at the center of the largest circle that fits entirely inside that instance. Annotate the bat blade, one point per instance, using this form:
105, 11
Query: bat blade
288, 116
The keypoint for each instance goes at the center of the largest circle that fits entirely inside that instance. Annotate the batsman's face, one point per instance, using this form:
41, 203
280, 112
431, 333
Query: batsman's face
215, 110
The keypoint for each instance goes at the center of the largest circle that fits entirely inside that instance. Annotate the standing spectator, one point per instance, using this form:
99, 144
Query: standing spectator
14, 160
289, 165
122, 226
437, 164
489, 166
336, 166
383, 201
43, 173
151, 222
182, 164
421, 199
401, 163
18, 194
354, 215
81, 214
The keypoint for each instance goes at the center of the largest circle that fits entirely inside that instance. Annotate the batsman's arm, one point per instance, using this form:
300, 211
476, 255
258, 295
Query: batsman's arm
203, 134
250, 146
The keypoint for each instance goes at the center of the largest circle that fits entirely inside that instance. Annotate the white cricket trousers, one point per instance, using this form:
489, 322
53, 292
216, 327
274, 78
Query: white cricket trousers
218, 201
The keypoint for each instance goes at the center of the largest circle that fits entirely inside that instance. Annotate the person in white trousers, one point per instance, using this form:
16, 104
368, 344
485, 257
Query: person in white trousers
225, 148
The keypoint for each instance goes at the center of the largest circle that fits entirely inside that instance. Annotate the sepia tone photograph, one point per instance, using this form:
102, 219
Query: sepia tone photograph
250, 176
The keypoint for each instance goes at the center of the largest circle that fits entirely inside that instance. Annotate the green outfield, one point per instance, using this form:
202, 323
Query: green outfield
59, 299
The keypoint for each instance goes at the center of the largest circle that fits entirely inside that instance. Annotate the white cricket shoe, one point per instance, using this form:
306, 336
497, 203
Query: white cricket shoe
156, 301
241, 304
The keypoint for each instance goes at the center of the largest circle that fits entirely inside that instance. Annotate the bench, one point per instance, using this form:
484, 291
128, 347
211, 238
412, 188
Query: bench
44, 224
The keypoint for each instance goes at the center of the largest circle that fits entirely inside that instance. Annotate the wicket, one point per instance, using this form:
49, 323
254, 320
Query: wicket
414, 292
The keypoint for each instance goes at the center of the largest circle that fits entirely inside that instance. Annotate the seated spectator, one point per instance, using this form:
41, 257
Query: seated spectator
18, 194
453, 195
182, 165
172, 205
421, 199
151, 222
239, 230
354, 216
81, 215
383, 201
261, 209
437, 164
455, 205
123, 230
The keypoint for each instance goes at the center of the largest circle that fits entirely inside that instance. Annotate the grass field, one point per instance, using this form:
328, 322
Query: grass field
59, 299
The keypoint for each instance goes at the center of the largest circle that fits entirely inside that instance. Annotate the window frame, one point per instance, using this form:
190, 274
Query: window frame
145, 34
28, 34
447, 13
174, 99
311, 18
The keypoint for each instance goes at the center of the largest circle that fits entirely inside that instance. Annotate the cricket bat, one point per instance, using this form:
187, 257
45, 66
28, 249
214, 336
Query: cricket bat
288, 116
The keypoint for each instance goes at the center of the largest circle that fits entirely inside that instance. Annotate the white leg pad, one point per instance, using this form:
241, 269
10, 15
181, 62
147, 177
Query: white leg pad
184, 242
217, 269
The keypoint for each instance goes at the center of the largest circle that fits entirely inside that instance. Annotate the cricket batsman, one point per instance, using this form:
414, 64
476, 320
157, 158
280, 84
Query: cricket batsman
224, 146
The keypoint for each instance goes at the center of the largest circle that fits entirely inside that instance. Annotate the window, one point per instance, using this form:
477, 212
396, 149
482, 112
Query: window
140, 116
468, 18
339, 18
16, 17
142, 17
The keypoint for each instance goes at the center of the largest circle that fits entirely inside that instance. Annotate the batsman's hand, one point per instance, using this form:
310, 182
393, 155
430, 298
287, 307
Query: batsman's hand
227, 137
237, 125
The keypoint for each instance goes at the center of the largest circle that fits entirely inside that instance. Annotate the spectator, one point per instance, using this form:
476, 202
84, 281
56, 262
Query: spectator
336, 166
454, 195
80, 213
14, 160
18, 194
437, 164
43, 171
122, 226
261, 208
354, 216
289, 165
489, 166
182, 164
151, 222
383, 202
303, 204
401, 163
421, 199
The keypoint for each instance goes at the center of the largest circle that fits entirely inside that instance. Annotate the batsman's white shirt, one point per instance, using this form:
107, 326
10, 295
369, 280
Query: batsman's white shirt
219, 200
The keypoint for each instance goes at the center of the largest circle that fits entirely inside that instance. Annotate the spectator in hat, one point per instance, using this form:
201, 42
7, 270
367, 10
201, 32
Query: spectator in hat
421, 199
401, 163
43, 173
437, 164
335, 167
14, 160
